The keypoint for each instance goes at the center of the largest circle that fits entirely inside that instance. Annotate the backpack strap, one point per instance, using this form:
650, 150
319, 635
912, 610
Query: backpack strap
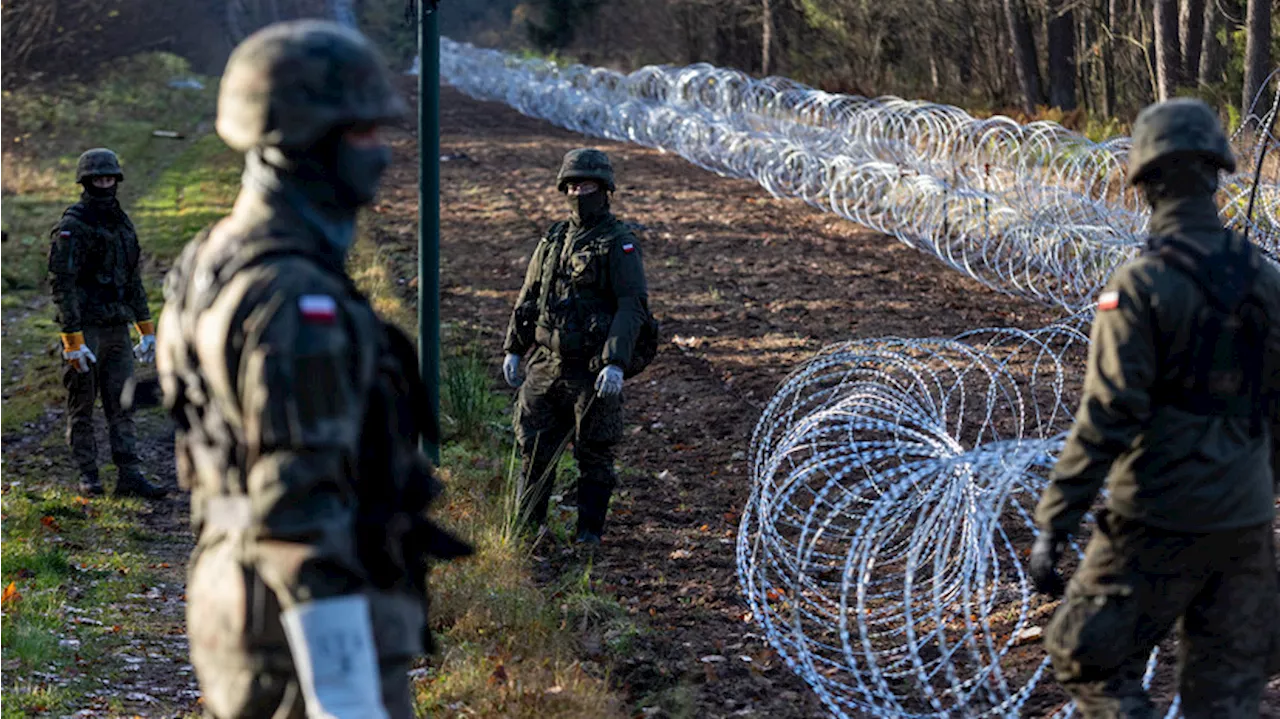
1229, 330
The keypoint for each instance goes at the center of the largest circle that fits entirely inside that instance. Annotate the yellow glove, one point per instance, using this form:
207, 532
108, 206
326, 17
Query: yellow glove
145, 350
76, 353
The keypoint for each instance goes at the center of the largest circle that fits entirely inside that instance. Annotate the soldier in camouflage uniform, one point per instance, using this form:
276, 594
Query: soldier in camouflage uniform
577, 318
97, 287
298, 409
1177, 418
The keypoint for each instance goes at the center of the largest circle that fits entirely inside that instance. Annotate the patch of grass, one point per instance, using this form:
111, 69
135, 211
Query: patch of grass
172, 190
72, 568
508, 646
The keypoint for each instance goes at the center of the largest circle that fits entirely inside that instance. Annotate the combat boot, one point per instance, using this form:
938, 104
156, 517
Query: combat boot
90, 485
131, 483
587, 537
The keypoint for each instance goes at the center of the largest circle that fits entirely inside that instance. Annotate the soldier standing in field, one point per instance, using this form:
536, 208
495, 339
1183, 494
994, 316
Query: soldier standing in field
1177, 417
298, 409
582, 320
97, 287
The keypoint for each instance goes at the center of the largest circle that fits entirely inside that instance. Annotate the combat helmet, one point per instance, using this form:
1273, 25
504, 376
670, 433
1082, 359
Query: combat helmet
289, 84
585, 164
1182, 127
98, 162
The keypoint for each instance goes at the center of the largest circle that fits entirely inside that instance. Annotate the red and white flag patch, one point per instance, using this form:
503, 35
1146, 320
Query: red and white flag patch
64, 233
628, 248
320, 309
1108, 301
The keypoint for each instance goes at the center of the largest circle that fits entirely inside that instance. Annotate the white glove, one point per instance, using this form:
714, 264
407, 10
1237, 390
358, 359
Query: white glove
609, 381
81, 358
511, 369
145, 351
334, 656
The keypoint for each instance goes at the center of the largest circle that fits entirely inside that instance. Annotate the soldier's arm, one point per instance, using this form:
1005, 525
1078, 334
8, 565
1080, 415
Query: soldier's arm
1115, 406
515, 343
135, 295
626, 273
294, 387
65, 253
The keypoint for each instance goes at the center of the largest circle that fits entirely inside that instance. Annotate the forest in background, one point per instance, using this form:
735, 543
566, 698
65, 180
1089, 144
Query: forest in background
1082, 62
1066, 59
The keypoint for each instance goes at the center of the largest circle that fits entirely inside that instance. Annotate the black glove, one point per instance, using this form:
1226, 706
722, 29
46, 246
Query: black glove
1045, 554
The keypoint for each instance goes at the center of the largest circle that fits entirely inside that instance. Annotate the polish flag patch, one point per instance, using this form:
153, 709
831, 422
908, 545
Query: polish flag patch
320, 309
1108, 300
64, 233
628, 248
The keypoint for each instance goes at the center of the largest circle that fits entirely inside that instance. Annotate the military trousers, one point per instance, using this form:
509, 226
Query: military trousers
1135, 584
239, 649
113, 347
558, 402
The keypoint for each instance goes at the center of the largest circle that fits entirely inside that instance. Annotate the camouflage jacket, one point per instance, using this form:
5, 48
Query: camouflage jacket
1164, 465
584, 295
93, 267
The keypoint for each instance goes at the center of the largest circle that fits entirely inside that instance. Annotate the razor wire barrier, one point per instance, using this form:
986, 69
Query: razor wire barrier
893, 481
1035, 210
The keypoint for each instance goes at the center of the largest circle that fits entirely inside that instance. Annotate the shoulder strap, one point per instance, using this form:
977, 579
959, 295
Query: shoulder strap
1229, 330
555, 238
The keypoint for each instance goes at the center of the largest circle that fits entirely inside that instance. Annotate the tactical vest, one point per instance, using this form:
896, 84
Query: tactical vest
575, 308
107, 263
394, 487
1221, 374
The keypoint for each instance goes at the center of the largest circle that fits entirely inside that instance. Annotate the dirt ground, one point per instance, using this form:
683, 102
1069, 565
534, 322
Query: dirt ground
745, 287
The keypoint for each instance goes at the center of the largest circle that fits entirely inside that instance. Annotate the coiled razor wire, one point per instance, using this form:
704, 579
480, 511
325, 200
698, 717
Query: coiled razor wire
1033, 210
893, 481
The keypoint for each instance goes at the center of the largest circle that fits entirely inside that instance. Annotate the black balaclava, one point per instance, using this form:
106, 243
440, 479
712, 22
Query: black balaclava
1180, 192
101, 202
587, 210
325, 184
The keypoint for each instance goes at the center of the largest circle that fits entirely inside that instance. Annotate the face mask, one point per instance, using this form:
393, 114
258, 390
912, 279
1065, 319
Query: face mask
357, 173
586, 208
101, 192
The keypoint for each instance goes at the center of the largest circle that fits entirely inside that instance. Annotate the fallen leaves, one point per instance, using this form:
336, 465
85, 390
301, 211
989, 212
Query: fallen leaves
10, 595
499, 675
50, 523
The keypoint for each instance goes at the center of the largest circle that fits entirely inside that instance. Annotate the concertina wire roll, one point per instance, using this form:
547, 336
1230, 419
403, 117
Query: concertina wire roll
893, 480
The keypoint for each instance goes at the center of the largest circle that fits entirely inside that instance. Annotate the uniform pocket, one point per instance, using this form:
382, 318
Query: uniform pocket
582, 268
1093, 632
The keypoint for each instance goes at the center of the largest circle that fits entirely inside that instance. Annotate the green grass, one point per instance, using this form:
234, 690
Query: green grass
76, 567
172, 190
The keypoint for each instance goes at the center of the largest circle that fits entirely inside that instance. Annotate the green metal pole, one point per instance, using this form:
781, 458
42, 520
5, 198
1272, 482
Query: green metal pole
429, 211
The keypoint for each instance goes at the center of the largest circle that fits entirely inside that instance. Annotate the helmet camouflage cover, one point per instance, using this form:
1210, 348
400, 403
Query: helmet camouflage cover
585, 164
1182, 127
98, 162
291, 83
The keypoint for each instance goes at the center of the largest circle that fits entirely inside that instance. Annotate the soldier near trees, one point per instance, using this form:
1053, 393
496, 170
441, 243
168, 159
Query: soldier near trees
1177, 417
97, 287
582, 321
298, 409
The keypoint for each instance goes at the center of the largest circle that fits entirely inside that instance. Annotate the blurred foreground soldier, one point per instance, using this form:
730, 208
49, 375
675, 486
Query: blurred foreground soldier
582, 318
97, 286
1176, 417
297, 407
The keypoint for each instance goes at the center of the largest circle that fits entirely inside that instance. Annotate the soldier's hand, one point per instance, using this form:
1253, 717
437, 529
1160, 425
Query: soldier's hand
609, 381
145, 351
76, 352
1045, 554
511, 369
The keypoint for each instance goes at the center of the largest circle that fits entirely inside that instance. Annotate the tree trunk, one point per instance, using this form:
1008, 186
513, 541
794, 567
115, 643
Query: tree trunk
1168, 60
1191, 33
1062, 56
1110, 20
1024, 52
1212, 53
1257, 51
766, 43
